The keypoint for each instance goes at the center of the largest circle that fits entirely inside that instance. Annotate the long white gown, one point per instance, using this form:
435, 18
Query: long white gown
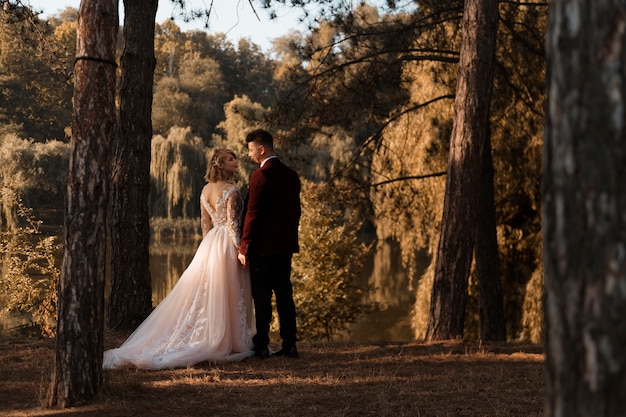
207, 316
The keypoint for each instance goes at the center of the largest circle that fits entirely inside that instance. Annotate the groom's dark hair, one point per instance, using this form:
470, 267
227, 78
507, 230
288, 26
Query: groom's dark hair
263, 136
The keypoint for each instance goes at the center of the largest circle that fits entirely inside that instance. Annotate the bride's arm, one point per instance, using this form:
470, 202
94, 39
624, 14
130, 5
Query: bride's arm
234, 207
205, 218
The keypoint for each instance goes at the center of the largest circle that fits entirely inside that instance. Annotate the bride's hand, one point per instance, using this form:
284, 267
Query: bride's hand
242, 259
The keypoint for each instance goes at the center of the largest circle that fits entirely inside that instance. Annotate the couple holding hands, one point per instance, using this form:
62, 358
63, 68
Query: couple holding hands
244, 257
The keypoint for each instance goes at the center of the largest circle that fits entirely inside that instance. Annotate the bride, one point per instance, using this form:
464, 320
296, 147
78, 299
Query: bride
208, 314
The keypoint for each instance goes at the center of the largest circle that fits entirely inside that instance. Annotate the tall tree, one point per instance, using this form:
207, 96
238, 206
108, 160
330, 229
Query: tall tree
584, 201
131, 291
470, 134
79, 344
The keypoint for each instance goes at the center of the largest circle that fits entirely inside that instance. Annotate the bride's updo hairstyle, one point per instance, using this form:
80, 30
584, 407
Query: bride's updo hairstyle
214, 171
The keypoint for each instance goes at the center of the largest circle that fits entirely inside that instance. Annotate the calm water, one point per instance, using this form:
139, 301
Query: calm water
169, 259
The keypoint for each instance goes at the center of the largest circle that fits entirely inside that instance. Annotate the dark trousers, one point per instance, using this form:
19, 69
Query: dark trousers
272, 274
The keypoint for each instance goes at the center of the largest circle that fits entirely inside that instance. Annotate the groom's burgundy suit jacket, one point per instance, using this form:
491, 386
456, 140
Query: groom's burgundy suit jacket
272, 211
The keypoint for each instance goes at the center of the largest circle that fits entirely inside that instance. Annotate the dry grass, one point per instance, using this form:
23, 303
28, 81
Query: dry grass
343, 379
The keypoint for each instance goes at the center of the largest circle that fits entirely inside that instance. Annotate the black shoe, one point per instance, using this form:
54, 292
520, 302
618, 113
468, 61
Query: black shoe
262, 353
290, 352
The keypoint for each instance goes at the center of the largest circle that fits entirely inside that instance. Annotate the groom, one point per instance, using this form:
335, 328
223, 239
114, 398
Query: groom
269, 240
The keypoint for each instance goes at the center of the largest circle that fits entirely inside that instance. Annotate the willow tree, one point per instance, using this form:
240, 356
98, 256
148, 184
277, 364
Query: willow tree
466, 170
131, 291
584, 201
77, 374
177, 174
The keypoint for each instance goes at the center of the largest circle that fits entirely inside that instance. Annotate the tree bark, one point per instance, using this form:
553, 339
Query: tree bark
584, 204
130, 299
79, 344
469, 135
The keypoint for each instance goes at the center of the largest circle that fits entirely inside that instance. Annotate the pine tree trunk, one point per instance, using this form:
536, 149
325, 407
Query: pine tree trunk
79, 344
469, 135
130, 300
584, 209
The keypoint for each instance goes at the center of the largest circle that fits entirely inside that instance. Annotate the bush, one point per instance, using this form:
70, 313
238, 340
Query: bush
325, 271
29, 276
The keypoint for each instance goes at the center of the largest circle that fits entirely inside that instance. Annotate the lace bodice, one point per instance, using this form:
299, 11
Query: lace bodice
227, 213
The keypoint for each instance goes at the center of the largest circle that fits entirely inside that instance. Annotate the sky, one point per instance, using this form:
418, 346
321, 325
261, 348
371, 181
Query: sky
233, 17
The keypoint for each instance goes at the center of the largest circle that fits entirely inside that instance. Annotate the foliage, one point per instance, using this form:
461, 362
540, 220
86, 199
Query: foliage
177, 172
242, 68
412, 147
35, 73
36, 171
170, 106
325, 271
343, 78
407, 162
29, 275
182, 100
532, 310
242, 116
197, 73
517, 138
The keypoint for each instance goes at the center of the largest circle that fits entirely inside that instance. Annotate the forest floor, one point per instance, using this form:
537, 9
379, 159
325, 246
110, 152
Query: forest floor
328, 379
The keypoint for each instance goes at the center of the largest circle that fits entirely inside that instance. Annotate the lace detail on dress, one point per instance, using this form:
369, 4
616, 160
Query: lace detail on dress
189, 329
227, 213
244, 321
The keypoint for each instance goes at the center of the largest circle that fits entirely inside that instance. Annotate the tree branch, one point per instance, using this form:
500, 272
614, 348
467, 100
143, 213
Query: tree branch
410, 177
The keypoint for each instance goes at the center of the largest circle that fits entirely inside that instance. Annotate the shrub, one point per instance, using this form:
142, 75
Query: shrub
29, 276
325, 271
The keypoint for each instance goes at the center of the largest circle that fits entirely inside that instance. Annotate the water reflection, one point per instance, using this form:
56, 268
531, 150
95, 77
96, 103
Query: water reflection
168, 260
394, 293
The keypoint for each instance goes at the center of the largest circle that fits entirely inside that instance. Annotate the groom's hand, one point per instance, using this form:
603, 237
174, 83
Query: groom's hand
242, 259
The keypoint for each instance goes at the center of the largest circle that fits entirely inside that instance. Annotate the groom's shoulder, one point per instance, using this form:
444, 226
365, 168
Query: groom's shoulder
284, 167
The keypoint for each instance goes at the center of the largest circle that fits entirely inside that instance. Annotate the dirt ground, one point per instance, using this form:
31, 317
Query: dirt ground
336, 379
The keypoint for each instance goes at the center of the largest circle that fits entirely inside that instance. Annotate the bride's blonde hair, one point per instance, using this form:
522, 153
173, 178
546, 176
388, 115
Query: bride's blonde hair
214, 171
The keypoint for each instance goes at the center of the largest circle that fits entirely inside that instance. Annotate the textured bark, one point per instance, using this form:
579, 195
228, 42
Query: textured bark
467, 147
130, 300
79, 344
584, 206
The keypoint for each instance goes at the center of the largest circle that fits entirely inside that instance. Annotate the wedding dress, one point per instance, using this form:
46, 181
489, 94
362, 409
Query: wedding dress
207, 316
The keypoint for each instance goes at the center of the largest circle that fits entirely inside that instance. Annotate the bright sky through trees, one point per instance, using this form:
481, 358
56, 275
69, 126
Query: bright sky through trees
236, 19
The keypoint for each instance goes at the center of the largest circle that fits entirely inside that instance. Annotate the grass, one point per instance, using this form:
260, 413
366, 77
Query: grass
337, 379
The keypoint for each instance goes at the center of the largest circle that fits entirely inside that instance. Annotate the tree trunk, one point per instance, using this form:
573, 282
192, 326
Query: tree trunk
130, 300
490, 302
467, 147
584, 204
79, 344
